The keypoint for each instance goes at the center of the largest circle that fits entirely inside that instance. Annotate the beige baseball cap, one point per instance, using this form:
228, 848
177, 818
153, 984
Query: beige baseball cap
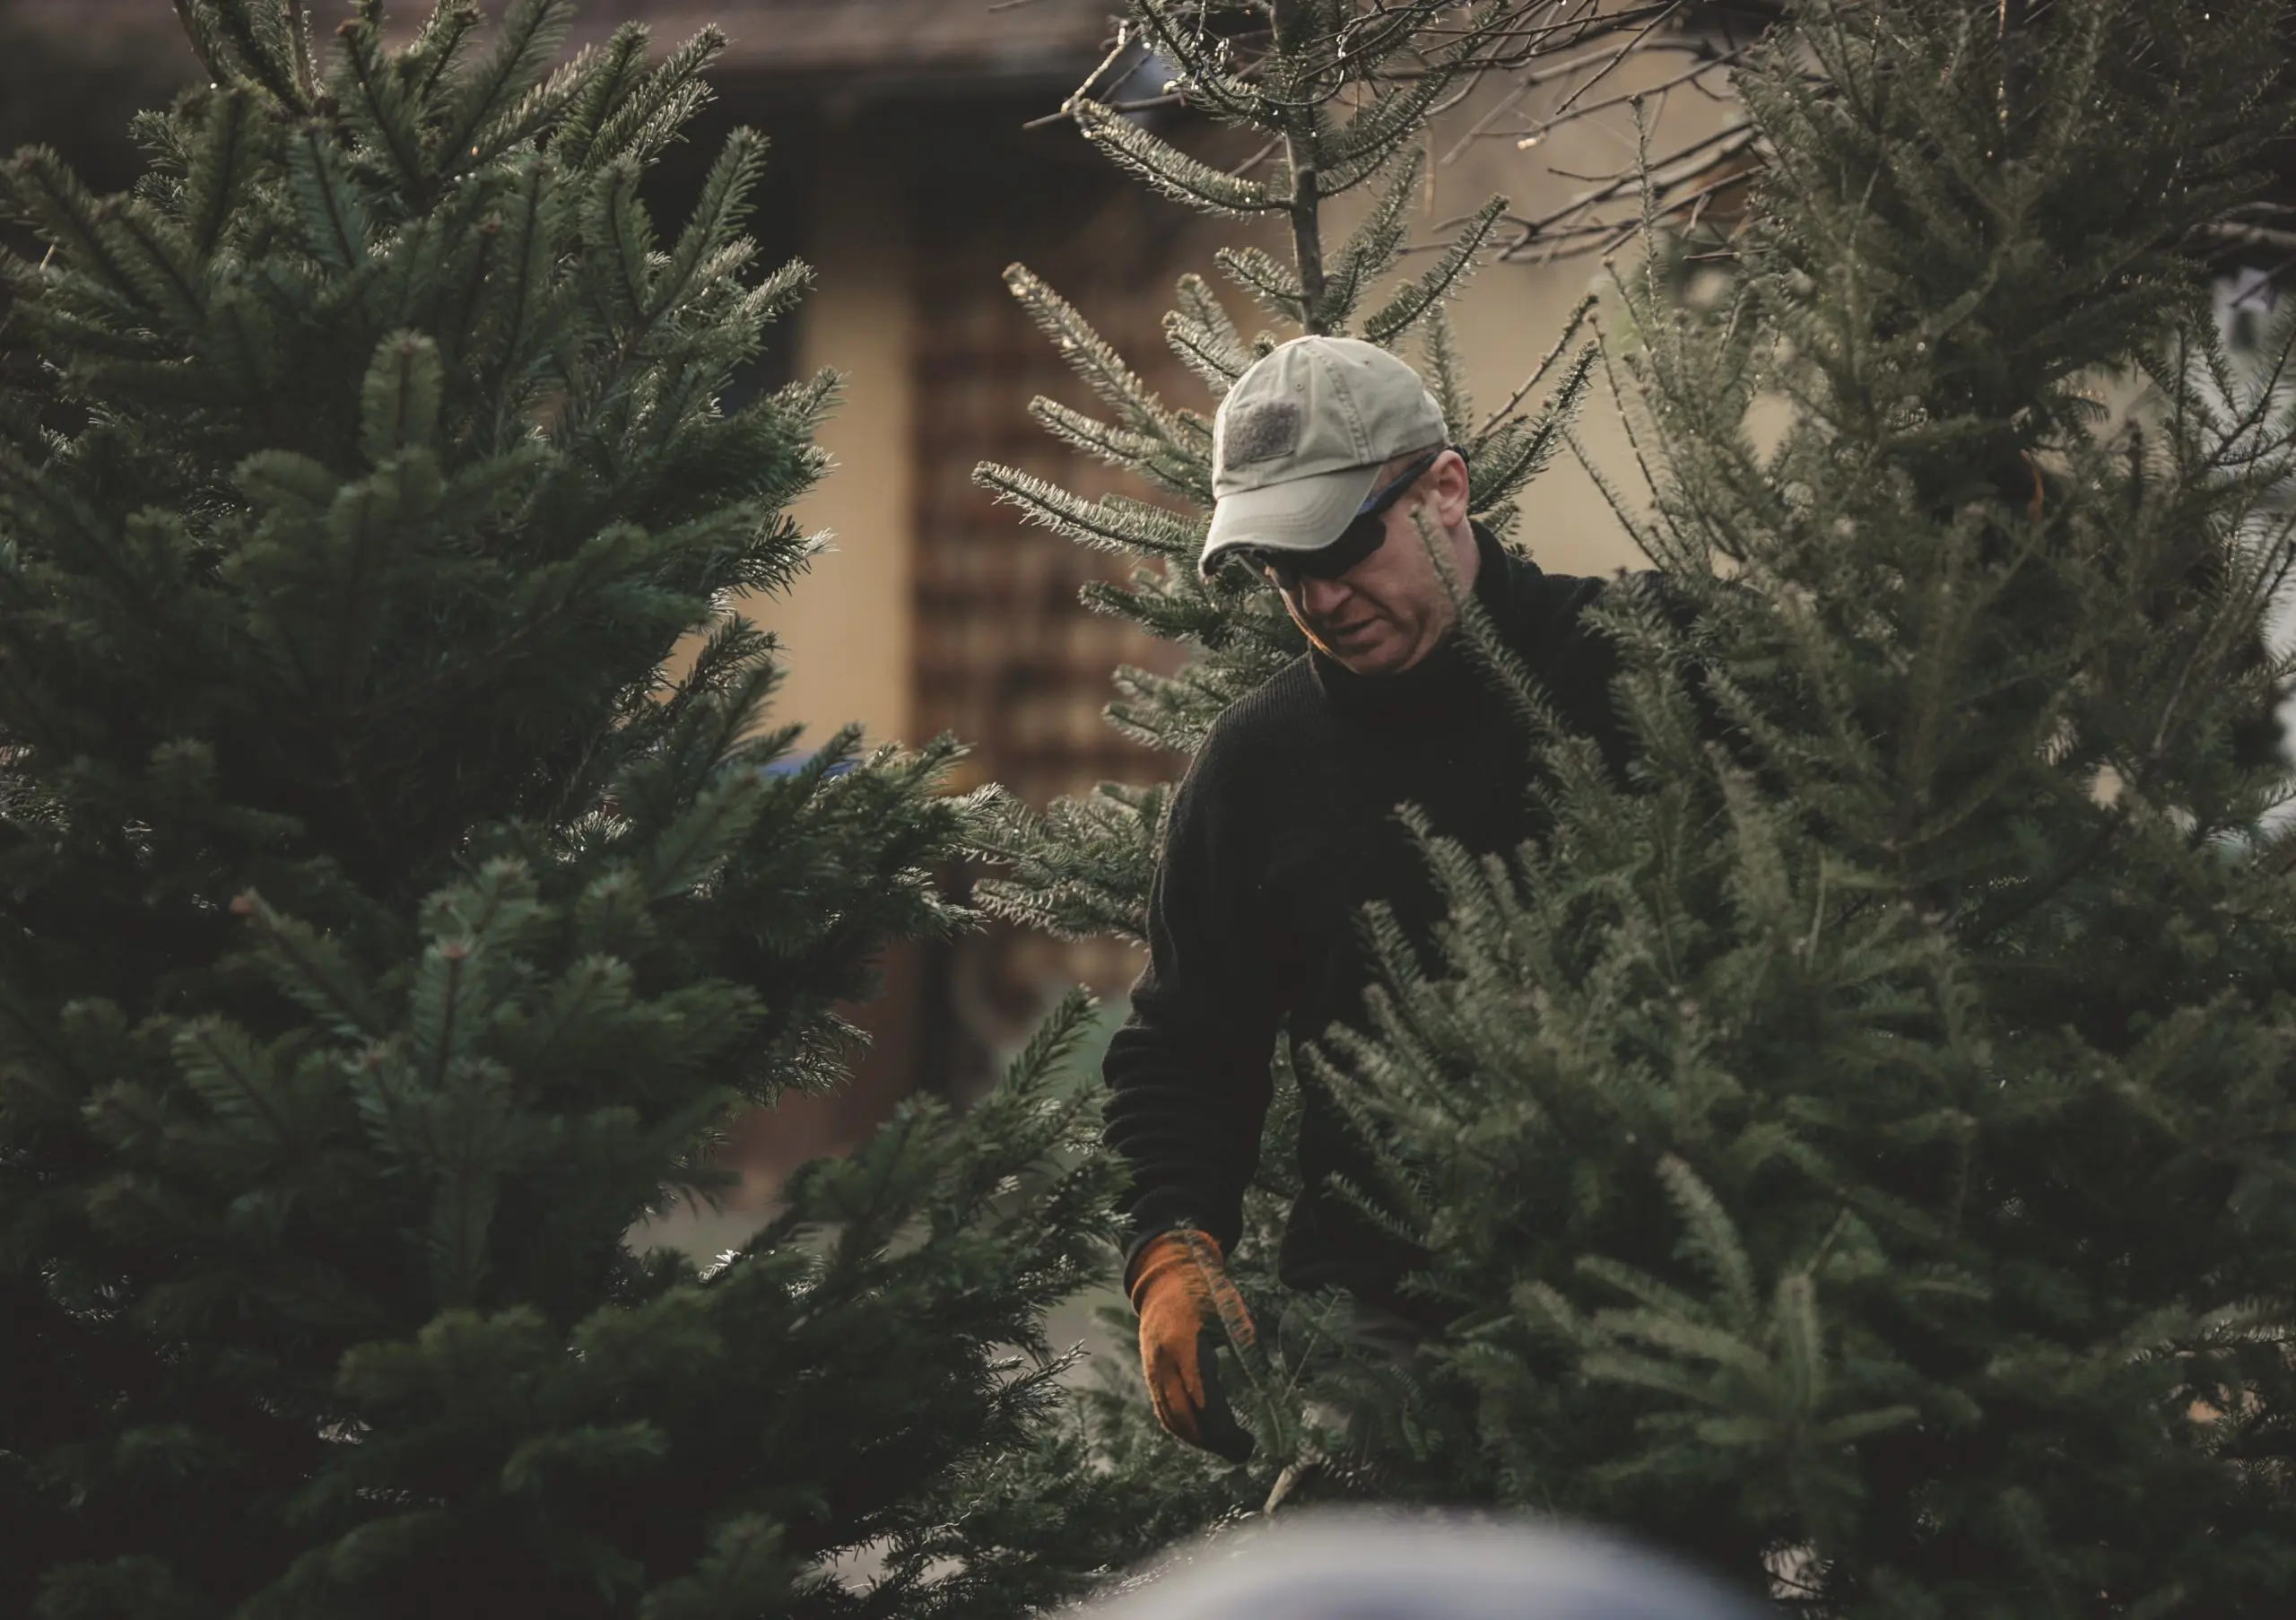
1298, 444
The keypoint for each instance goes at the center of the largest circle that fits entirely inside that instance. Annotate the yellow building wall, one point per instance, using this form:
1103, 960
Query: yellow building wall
846, 627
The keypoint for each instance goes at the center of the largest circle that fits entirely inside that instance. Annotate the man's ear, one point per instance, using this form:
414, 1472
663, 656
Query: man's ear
1450, 489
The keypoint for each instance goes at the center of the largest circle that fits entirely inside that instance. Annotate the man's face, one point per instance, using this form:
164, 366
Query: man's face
1390, 610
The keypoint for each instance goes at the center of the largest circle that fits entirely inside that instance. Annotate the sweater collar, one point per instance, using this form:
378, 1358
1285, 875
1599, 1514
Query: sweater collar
1446, 678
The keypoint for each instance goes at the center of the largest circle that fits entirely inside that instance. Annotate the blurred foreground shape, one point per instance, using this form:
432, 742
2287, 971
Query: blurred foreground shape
1365, 1564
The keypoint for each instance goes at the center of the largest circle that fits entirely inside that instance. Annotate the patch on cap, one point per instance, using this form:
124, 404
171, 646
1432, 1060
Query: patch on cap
1259, 432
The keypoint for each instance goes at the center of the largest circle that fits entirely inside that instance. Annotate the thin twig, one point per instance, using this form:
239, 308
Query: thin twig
1563, 70
1067, 114
1570, 330
1620, 56
1485, 123
1266, 151
1721, 147
1705, 65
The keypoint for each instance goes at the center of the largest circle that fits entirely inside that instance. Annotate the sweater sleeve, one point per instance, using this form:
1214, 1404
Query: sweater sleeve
1188, 1074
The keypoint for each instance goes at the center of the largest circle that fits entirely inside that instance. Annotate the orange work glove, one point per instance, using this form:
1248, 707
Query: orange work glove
1188, 1308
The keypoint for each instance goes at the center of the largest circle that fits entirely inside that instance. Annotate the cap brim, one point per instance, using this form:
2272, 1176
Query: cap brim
1298, 515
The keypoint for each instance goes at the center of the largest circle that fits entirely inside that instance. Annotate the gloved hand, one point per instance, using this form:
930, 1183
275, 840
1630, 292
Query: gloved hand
1179, 1283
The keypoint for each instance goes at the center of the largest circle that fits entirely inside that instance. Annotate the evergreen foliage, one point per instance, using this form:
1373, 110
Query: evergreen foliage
388, 929
1860, 1153
1857, 1150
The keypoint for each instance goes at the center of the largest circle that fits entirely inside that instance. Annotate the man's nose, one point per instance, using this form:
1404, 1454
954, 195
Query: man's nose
1318, 597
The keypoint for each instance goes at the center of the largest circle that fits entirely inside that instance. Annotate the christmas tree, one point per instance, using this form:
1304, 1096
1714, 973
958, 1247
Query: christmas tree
1856, 1149
388, 931
1852, 1147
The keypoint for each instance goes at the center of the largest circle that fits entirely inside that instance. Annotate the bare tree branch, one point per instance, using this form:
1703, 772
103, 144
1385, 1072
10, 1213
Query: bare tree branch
1680, 169
1577, 44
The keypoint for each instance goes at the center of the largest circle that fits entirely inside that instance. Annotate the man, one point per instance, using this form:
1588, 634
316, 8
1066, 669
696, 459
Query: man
1328, 455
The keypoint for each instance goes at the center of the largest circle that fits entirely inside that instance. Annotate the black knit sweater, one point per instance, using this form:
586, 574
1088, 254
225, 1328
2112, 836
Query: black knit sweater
1283, 827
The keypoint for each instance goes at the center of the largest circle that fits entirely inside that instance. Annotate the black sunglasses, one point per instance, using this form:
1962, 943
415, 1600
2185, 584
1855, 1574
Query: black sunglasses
1365, 533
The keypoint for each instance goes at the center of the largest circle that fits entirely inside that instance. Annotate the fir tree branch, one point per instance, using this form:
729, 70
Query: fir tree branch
333, 214
716, 216
1169, 170
1445, 370
1372, 247
1504, 460
1714, 1239
600, 86
221, 165
1201, 74
1087, 354
303, 55
198, 21
530, 34
158, 256
1187, 475
1109, 524
48, 197
1440, 281
651, 116
470, 1114
222, 1065
257, 35
1577, 318
533, 221
436, 48
618, 246
1275, 288
399, 398
2028, 898
316, 970
1201, 349
1201, 334
379, 106
538, 110
1369, 139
